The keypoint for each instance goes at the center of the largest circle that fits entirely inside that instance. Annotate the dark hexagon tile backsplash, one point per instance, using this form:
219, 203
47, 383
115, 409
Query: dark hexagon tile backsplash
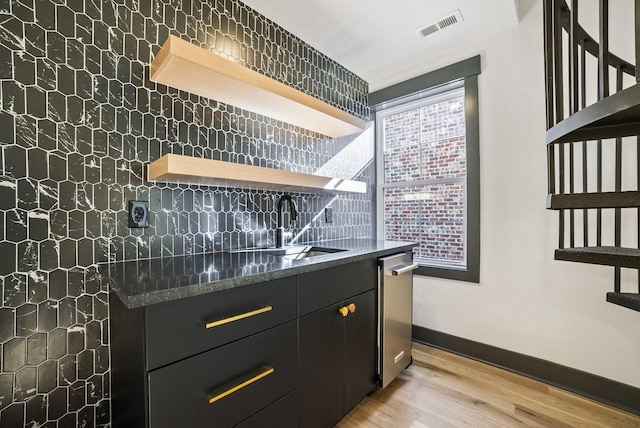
79, 122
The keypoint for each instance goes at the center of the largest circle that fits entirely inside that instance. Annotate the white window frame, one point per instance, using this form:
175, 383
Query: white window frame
424, 99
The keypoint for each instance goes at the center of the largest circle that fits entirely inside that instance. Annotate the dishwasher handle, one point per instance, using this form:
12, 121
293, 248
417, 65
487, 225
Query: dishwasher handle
395, 271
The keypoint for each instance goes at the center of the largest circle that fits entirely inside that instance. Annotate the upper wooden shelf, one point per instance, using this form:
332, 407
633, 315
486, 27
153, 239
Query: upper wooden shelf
617, 115
184, 66
189, 170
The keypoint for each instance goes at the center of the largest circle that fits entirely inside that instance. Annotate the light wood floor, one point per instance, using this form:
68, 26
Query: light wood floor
445, 390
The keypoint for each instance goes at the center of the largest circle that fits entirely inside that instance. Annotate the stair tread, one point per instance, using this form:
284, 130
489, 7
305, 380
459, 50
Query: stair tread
619, 251
618, 115
628, 300
627, 199
609, 256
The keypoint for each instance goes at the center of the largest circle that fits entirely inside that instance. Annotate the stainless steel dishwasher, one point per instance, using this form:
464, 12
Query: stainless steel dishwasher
395, 311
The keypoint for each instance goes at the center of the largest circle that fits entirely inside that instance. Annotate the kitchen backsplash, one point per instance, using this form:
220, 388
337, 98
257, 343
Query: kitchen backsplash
80, 120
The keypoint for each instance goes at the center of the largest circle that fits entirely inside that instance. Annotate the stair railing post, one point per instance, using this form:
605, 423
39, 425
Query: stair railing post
585, 163
603, 51
603, 92
637, 33
559, 105
549, 87
548, 61
573, 105
618, 187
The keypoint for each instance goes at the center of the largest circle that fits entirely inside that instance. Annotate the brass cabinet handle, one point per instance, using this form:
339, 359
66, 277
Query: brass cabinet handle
351, 307
264, 371
262, 310
344, 311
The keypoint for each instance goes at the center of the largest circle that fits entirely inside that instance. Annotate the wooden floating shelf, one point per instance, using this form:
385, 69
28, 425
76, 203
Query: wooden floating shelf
189, 170
617, 115
184, 66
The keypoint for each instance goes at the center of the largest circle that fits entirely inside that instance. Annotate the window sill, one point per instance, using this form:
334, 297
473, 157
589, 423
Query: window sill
454, 274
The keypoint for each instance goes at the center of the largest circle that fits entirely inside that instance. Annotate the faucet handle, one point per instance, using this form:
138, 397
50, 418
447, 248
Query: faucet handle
294, 210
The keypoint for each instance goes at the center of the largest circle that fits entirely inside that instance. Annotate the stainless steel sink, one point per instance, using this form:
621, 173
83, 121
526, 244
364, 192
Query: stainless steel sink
293, 252
313, 252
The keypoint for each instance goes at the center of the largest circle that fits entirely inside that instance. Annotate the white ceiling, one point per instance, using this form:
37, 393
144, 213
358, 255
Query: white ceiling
370, 37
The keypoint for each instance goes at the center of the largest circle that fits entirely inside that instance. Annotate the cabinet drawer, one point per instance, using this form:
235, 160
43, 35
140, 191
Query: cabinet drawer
320, 289
281, 414
236, 377
178, 329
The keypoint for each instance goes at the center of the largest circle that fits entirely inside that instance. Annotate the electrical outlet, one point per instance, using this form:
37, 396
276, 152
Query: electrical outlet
328, 215
138, 214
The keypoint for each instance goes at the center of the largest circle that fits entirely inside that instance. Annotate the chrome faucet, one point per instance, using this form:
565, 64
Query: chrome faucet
280, 238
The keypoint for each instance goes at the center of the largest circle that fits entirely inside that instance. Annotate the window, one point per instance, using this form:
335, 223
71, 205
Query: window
428, 177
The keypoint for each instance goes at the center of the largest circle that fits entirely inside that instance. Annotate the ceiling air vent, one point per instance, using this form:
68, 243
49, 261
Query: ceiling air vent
441, 23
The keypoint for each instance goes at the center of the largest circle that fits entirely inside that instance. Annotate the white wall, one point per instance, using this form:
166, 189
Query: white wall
525, 302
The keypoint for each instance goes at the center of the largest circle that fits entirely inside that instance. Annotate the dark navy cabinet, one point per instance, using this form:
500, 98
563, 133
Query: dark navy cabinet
266, 362
337, 341
293, 352
211, 360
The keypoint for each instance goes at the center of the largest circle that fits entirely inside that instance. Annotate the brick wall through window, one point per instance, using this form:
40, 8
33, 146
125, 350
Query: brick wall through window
424, 155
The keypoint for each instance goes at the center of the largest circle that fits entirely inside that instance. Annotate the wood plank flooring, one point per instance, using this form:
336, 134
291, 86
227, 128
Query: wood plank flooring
441, 390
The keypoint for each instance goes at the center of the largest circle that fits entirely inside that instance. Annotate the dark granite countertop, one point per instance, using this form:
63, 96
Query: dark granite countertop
147, 282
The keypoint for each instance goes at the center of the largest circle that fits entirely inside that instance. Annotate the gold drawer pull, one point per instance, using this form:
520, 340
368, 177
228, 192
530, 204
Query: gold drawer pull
351, 307
265, 371
238, 317
344, 311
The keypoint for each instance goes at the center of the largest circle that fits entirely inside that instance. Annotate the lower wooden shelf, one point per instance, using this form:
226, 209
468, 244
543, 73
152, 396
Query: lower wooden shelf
189, 170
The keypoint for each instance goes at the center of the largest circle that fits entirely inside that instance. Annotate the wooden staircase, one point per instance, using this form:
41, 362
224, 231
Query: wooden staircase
593, 151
